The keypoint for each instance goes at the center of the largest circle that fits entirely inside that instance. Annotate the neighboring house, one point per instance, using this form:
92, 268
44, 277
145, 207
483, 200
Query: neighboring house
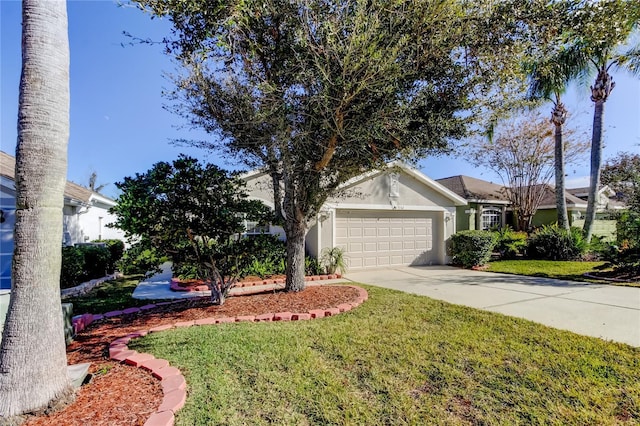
396, 216
488, 206
85, 216
607, 199
486, 202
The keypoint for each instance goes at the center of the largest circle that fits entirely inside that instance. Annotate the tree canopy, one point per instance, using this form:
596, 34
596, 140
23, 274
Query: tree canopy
317, 92
191, 213
522, 153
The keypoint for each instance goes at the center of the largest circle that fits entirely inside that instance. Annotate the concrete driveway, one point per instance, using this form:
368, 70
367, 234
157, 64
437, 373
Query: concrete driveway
608, 312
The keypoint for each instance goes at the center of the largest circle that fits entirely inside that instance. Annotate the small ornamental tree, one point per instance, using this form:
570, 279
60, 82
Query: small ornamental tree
194, 215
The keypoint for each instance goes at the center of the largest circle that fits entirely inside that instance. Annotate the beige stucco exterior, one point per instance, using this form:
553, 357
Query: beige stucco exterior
398, 199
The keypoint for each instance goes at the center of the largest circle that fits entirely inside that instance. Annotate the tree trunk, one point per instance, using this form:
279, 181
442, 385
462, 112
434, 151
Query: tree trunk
558, 118
33, 363
600, 92
295, 256
596, 163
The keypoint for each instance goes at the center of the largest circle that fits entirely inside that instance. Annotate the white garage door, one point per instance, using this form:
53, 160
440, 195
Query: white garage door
377, 239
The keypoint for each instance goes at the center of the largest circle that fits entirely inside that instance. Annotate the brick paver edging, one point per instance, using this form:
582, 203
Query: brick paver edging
175, 283
174, 386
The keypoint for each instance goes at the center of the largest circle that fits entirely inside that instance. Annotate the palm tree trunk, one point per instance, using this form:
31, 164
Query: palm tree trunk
33, 364
596, 165
558, 117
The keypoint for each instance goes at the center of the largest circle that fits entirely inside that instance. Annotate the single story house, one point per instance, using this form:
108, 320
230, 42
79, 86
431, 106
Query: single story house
86, 214
395, 216
488, 205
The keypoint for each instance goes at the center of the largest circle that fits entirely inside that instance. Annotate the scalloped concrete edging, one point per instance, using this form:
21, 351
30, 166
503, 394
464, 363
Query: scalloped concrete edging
174, 385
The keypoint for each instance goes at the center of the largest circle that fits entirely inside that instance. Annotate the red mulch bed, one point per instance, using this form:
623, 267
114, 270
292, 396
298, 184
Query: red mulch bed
122, 395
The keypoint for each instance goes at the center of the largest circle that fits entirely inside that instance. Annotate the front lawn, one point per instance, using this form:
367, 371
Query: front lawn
565, 270
400, 359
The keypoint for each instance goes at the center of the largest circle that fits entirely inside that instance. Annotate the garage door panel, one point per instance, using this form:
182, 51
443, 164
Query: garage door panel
355, 247
371, 247
355, 231
395, 245
384, 238
370, 261
370, 232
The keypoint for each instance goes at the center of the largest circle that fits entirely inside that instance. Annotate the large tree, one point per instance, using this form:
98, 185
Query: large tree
602, 35
33, 363
549, 74
193, 214
316, 92
622, 174
522, 153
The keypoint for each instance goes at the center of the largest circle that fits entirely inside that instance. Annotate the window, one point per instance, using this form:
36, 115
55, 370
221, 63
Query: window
491, 218
254, 228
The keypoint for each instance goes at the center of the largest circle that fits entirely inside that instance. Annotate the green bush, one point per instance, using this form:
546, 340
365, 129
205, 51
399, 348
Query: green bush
312, 266
263, 255
72, 267
83, 263
116, 251
140, 259
554, 243
96, 261
472, 248
510, 243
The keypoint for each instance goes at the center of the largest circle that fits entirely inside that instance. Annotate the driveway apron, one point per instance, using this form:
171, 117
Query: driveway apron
604, 311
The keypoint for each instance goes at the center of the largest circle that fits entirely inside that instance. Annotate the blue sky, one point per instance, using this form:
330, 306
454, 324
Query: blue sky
118, 125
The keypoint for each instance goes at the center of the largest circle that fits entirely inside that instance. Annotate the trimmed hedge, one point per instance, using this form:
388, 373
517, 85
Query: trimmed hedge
85, 262
472, 248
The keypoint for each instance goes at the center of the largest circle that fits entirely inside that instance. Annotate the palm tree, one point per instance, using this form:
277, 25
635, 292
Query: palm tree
600, 42
33, 365
548, 79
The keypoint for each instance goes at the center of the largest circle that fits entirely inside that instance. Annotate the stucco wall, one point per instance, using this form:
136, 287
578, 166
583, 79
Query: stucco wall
602, 228
94, 228
544, 217
377, 191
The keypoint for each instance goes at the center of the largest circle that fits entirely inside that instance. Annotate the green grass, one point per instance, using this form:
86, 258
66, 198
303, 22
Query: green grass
566, 270
109, 296
400, 359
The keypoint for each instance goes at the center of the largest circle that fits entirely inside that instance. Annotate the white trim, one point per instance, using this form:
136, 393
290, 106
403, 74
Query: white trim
385, 207
553, 206
488, 201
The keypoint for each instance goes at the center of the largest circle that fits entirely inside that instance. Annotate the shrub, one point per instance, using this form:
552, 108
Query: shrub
262, 255
312, 266
333, 260
72, 267
472, 248
554, 243
140, 259
116, 251
510, 243
83, 263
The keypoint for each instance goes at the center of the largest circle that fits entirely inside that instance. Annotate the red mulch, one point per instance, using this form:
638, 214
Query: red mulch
122, 395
